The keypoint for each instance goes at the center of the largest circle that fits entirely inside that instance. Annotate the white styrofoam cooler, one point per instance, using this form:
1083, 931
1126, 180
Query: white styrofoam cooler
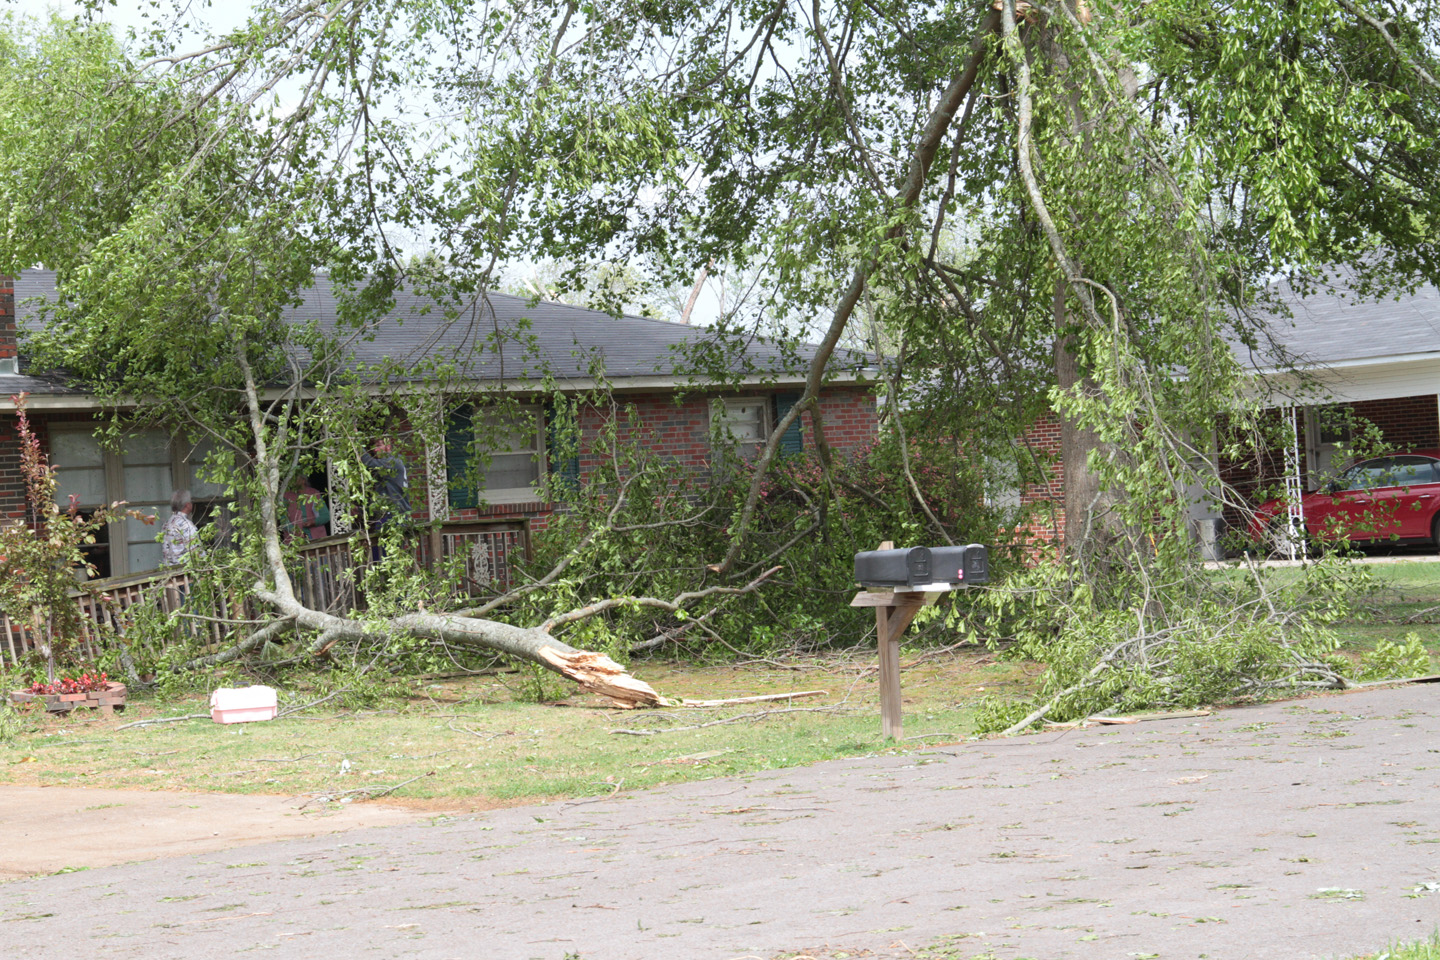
243, 704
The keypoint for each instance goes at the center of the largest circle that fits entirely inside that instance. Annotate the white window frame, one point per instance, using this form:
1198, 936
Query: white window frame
507, 495
720, 419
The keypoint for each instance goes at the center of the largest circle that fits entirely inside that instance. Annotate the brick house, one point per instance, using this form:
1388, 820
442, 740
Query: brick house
1335, 360
498, 343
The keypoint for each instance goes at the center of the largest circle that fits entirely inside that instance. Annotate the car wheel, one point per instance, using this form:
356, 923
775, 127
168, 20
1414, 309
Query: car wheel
1435, 530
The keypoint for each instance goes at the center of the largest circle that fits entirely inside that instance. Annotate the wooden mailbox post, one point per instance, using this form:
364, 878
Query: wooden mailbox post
894, 609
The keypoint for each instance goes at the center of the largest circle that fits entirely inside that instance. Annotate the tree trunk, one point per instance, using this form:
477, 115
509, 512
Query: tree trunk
1087, 523
1086, 504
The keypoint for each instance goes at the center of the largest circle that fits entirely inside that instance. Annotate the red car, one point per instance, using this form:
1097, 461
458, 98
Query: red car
1384, 498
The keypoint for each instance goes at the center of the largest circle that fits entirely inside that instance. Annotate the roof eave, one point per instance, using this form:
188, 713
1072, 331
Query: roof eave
84, 402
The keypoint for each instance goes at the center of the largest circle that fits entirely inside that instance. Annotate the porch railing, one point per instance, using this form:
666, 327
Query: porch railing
325, 576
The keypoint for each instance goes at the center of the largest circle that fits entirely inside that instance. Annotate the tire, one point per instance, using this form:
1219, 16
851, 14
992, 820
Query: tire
1435, 530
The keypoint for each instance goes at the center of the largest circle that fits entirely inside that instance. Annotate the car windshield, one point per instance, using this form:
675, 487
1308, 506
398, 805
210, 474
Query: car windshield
1401, 471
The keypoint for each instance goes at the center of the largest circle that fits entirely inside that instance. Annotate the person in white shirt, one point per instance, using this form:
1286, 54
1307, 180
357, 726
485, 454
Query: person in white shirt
178, 536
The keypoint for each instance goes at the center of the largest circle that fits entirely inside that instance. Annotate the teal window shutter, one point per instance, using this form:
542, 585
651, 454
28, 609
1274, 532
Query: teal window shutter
561, 444
459, 441
791, 441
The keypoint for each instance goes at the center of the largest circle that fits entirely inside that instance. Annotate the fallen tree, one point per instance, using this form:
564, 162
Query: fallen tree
594, 672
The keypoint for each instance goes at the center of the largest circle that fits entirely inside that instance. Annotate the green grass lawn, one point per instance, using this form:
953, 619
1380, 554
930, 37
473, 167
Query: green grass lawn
471, 743
1408, 600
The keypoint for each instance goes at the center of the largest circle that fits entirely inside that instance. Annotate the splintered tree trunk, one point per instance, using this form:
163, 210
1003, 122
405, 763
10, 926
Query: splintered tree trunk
594, 672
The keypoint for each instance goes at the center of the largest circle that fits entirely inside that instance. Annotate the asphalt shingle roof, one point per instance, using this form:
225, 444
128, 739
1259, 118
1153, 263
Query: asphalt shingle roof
1332, 325
499, 336
13, 383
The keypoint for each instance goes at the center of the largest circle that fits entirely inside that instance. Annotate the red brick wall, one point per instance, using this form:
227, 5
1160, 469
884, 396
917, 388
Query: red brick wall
848, 418
681, 431
8, 346
1046, 519
1408, 423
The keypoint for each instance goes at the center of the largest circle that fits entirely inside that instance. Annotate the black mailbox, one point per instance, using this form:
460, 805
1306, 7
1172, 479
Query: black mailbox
918, 566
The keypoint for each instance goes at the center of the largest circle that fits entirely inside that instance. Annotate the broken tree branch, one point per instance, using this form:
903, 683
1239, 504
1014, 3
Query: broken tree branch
673, 606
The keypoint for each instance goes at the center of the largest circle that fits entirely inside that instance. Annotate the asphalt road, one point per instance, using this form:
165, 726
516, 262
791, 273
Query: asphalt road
1293, 830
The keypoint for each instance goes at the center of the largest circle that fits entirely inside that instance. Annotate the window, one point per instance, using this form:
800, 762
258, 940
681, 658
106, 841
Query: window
744, 419
80, 473
146, 470
513, 438
1002, 490
1402, 471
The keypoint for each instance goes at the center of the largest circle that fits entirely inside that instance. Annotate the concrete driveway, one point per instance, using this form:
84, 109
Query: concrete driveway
1301, 829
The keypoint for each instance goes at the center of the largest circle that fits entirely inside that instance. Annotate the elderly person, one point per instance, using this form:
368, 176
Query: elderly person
178, 536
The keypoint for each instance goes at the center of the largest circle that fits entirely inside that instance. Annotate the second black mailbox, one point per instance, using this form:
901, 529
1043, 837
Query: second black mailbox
917, 566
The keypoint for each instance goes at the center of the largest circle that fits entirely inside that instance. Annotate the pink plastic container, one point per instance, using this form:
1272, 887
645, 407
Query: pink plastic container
242, 704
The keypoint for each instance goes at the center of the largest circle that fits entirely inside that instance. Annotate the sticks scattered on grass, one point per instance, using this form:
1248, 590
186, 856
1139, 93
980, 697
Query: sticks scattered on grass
361, 793
744, 716
765, 698
1421, 615
154, 720
476, 733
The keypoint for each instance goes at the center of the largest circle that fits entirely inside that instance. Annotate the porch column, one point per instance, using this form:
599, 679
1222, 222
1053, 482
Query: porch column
1294, 489
426, 413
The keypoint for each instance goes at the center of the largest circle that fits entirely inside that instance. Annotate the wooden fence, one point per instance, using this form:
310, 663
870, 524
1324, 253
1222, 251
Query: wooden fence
325, 575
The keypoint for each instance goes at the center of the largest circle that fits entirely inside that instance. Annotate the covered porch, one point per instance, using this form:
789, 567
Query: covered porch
325, 573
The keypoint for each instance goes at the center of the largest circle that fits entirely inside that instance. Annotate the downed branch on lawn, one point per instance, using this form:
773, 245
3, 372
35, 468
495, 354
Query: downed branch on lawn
594, 672
762, 698
361, 793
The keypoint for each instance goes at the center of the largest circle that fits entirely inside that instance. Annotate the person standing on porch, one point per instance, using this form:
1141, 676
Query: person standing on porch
307, 516
392, 484
177, 540
178, 535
